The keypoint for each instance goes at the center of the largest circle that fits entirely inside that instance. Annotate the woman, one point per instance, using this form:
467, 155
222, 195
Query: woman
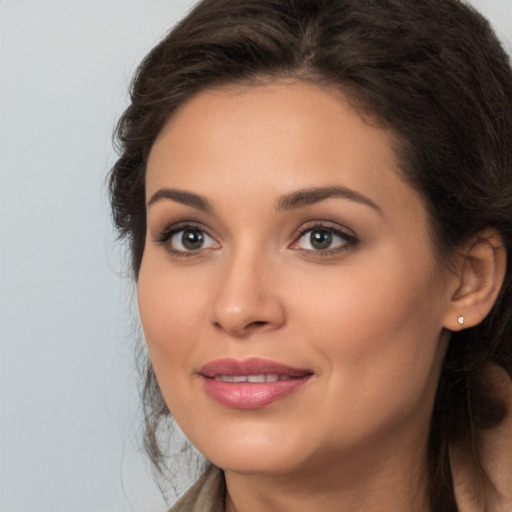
318, 198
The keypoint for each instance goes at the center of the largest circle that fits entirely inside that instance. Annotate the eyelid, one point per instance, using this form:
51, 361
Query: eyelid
348, 237
165, 236
321, 225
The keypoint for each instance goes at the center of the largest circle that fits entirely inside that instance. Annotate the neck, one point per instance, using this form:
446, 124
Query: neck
386, 483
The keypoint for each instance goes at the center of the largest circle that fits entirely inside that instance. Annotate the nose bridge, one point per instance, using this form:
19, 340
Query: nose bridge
247, 297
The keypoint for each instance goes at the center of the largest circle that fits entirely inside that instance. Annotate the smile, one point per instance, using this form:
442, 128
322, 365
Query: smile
271, 377
251, 384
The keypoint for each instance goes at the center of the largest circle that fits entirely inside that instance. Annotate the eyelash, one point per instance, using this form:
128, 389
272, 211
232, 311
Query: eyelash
349, 238
167, 234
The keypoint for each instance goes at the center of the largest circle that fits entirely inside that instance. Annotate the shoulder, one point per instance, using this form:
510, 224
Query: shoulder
496, 460
206, 495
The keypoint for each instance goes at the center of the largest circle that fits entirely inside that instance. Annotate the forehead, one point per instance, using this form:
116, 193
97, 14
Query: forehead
245, 108
274, 138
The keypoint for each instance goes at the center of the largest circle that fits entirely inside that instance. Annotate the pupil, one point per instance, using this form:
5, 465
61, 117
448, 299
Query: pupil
192, 239
321, 239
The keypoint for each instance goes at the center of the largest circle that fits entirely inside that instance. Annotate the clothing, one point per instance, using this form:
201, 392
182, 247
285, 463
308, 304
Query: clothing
208, 494
496, 459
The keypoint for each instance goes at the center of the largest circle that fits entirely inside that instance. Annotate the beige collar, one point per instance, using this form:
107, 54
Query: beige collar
497, 461
207, 494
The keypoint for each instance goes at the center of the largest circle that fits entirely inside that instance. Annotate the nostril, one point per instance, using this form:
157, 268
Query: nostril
258, 323
241, 329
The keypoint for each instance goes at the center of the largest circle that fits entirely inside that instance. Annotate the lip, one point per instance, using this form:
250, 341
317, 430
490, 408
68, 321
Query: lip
251, 395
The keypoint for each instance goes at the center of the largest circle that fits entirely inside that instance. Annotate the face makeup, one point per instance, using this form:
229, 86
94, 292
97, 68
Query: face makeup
252, 383
282, 284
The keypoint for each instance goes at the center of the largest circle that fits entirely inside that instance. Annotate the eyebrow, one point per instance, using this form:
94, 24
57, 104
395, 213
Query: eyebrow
180, 196
298, 199
308, 196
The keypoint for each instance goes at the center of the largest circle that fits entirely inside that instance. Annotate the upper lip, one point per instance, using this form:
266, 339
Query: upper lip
252, 366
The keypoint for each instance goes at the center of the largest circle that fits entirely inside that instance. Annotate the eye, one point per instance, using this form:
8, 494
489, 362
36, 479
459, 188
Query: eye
323, 239
186, 240
191, 240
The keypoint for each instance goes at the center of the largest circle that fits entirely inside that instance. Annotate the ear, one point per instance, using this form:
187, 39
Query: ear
480, 271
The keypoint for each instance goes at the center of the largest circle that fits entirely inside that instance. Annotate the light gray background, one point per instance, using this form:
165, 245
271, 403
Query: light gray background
69, 420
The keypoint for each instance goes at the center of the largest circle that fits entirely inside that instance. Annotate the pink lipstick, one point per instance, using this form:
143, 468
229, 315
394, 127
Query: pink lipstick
252, 383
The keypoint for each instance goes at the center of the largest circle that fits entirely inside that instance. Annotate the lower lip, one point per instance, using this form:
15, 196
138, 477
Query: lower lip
245, 395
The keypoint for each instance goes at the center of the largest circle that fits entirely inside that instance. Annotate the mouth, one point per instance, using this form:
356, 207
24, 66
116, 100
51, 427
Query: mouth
236, 379
252, 383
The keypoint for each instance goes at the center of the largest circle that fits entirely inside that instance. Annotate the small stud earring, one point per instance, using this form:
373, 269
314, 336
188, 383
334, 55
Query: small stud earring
461, 320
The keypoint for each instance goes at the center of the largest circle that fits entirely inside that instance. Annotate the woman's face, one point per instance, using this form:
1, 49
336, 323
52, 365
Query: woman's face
290, 298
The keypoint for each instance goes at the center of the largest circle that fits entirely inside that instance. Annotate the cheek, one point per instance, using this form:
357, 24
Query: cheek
374, 328
171, 308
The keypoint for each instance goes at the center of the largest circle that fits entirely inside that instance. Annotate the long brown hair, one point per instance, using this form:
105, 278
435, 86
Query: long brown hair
430, 70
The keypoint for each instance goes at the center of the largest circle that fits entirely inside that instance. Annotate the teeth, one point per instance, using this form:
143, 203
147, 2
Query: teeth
255, 378
270, 377
224, 378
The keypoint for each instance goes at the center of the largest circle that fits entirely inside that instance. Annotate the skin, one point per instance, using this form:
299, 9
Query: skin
496, 459
367, 317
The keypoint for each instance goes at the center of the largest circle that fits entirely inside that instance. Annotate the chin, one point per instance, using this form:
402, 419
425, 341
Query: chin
249, 451
257, 461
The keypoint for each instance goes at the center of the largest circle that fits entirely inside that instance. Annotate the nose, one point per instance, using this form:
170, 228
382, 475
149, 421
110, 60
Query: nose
247, 298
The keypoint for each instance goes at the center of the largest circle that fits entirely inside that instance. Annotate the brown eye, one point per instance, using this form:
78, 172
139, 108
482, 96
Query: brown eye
190, 240
323, 239
320, 239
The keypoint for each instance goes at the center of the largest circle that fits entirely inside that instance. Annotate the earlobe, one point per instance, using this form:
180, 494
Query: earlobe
480, 275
